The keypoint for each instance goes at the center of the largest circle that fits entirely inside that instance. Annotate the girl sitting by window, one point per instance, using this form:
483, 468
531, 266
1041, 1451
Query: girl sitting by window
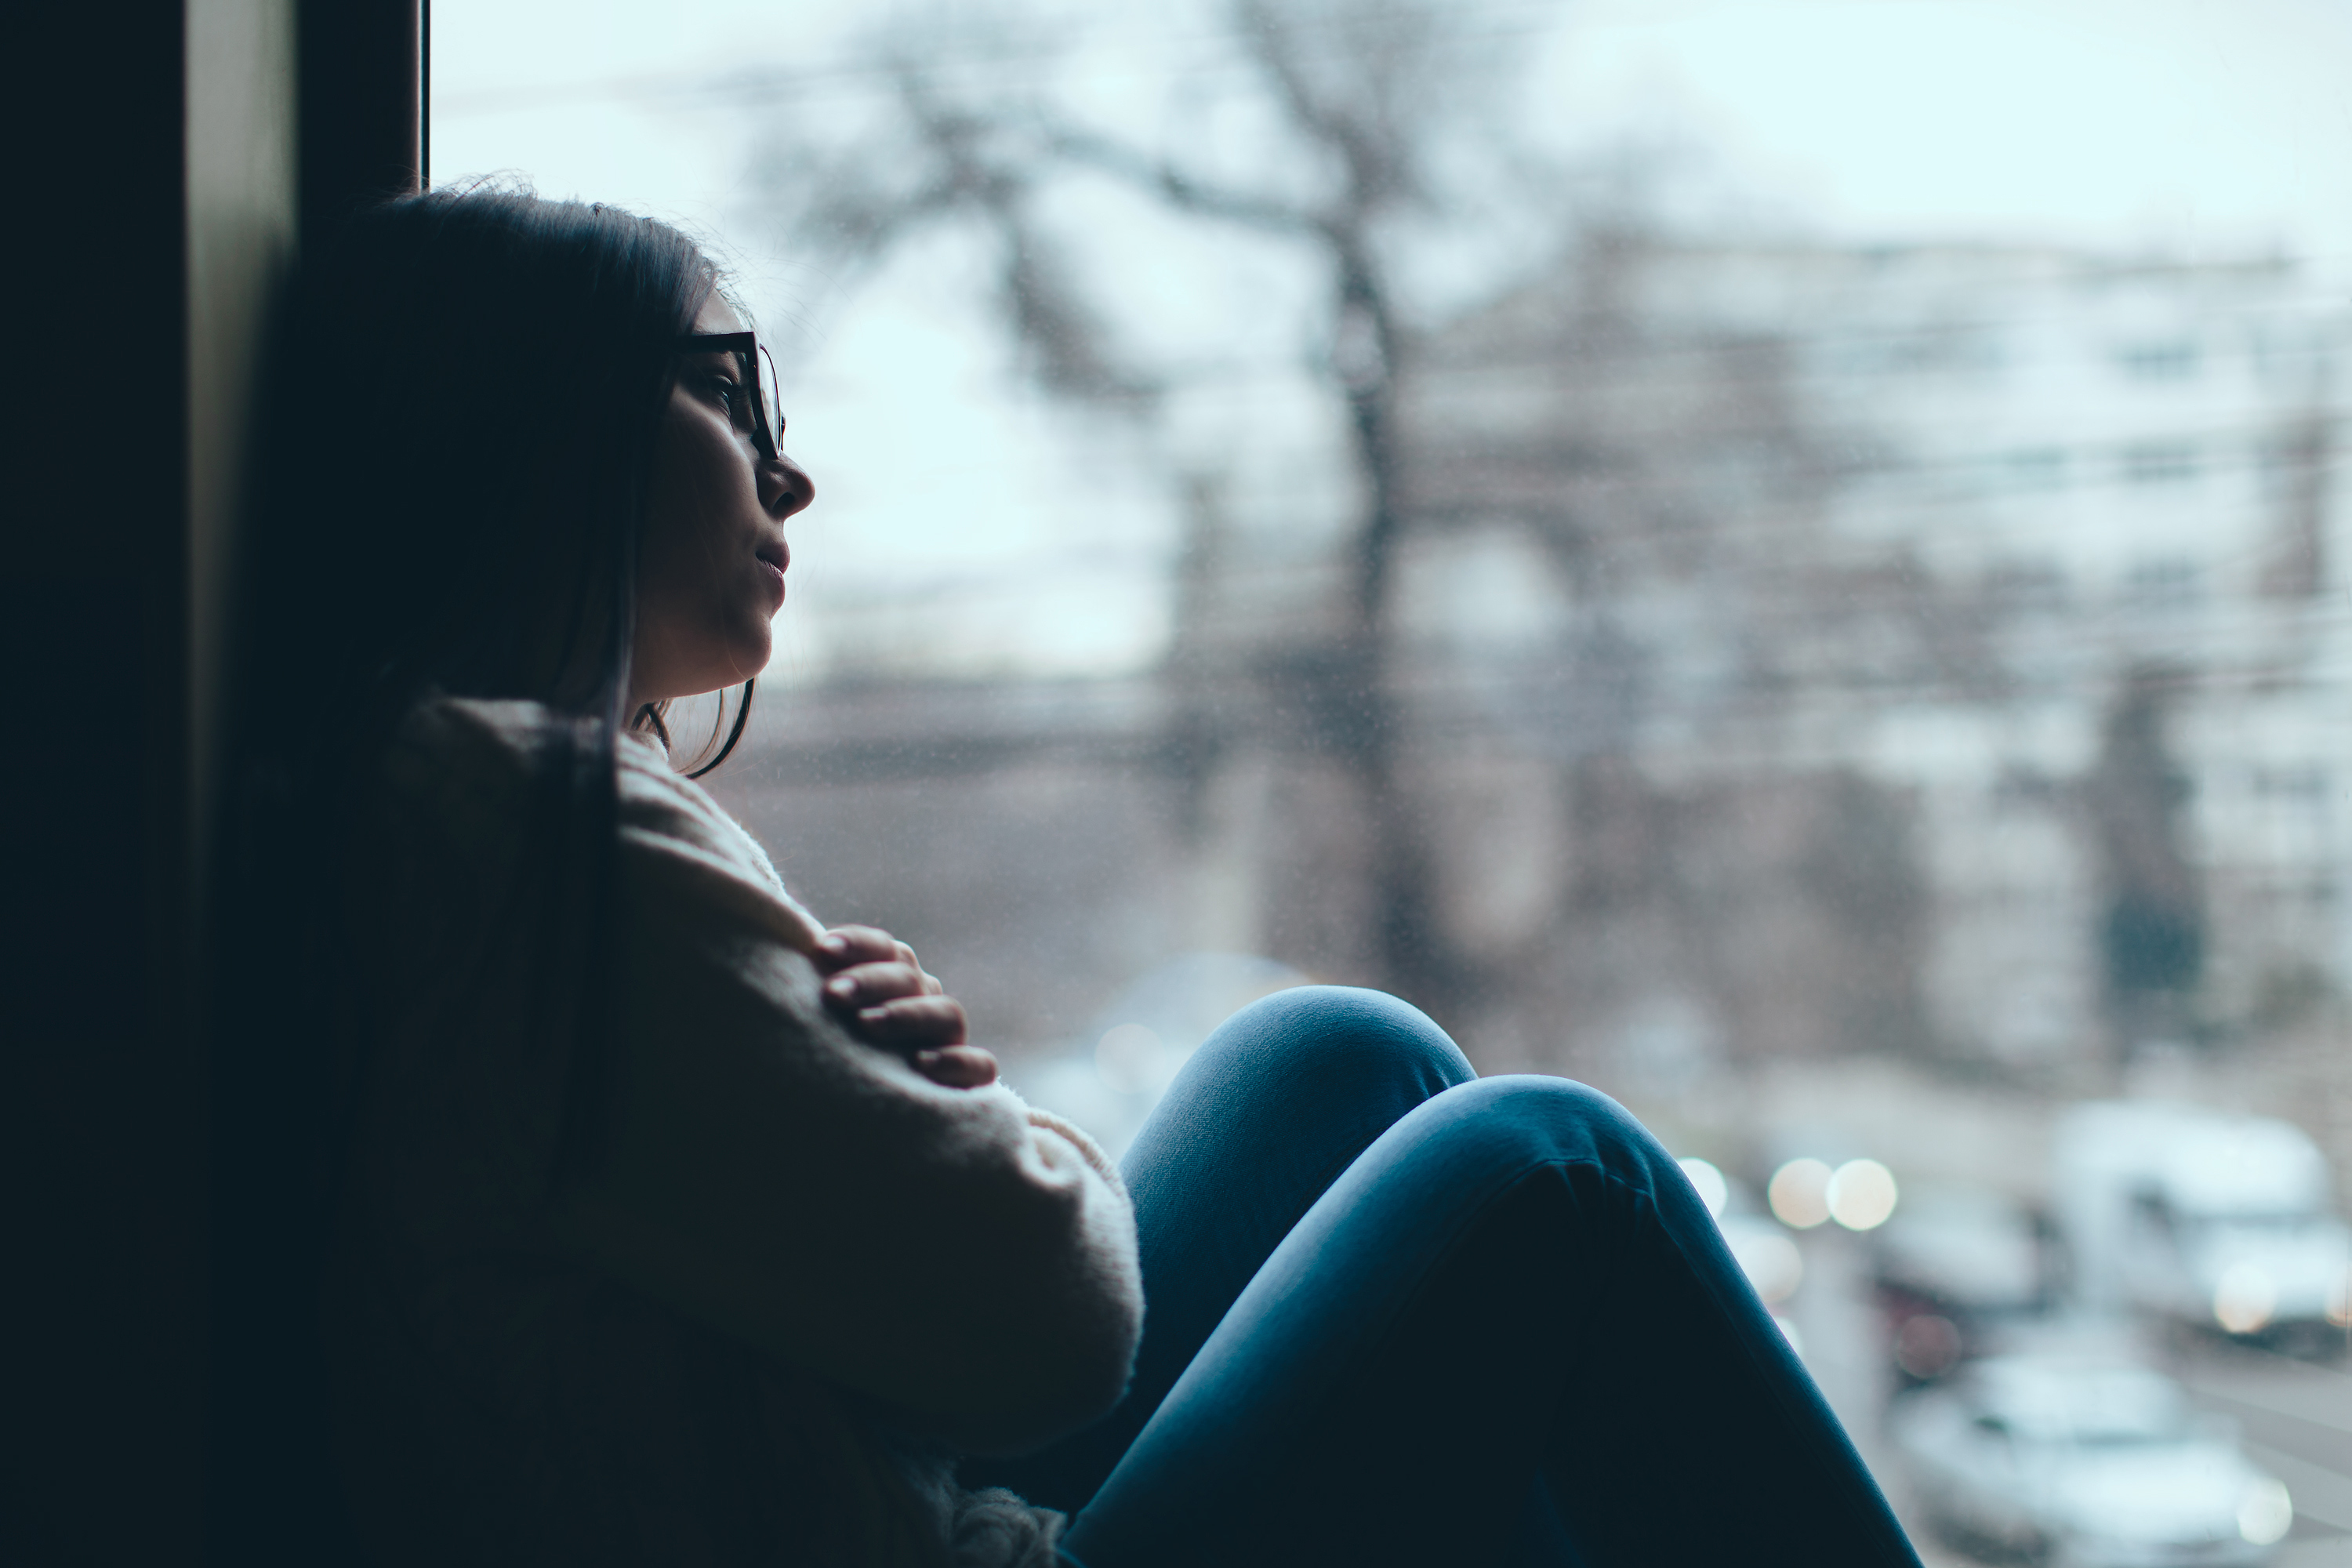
584, 1200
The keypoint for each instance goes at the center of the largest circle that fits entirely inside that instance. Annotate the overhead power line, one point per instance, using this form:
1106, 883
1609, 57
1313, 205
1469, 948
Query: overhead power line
756, 84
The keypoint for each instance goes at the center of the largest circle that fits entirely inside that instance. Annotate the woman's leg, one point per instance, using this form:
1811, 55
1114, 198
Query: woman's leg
1269, 1110
1512, 1282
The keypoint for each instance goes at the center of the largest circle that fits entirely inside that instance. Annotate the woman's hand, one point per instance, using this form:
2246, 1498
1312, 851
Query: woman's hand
875, 982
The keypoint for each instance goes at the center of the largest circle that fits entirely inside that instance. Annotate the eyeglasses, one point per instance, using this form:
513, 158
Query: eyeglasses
753, 405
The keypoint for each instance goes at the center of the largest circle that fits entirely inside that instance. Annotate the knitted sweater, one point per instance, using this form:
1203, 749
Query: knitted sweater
696, 1278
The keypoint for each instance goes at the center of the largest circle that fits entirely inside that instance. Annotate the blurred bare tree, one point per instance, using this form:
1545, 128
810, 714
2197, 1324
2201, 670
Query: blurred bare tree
1667, 460
1368, 96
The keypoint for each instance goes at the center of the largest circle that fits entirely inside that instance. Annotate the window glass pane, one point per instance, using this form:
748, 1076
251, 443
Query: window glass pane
1784, 559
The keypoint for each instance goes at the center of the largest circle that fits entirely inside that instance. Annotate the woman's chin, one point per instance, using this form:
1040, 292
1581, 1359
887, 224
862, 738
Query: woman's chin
753, 654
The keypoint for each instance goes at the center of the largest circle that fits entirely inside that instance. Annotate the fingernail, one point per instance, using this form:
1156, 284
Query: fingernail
833, 944
842, 986
872, 1015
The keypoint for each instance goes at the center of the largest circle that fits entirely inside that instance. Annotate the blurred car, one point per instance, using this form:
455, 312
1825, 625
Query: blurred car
1955, 1268
2085, 1463
2216, 1221
1964, 1247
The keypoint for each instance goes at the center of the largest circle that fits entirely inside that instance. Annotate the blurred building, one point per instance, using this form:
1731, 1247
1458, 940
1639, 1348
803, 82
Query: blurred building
1799, 650
2020, 566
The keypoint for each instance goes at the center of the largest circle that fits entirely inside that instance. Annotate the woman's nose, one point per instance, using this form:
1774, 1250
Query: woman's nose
784, 487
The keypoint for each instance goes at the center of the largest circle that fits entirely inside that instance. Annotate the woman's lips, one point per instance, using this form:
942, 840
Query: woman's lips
776, 577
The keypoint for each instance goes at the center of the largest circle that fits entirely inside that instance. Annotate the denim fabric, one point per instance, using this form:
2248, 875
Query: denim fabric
1398, 1315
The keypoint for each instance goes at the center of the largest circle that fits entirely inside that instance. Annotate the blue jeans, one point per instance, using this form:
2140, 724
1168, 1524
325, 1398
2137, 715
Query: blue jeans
1400, 1314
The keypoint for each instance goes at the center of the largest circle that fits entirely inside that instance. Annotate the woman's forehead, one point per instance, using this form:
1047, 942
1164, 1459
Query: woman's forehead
717, 316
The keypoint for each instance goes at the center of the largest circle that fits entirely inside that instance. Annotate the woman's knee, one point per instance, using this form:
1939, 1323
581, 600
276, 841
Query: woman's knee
1519, 1121
1340, 1035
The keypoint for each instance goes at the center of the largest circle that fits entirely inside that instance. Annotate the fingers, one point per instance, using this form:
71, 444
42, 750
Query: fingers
847, 947
914, 1021
876, 981
891, 1005
870, 985
956, 1067
931, 986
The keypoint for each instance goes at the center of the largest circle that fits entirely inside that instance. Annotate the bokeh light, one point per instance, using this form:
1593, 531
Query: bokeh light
2245, 1298
1770, 1260
2266, 1512
1860, 1194
1927, 1345
1713, 1190
1798, 1194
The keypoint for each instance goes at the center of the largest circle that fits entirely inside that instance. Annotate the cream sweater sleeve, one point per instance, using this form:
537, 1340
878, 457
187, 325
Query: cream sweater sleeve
951, 1252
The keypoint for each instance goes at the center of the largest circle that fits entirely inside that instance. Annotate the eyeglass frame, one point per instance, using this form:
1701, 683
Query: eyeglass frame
749, 352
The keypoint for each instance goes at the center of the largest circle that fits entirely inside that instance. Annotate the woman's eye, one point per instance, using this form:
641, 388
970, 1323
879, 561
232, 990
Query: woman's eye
728, 392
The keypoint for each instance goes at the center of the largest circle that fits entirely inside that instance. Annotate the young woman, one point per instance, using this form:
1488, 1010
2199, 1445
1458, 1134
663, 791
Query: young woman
583, 1200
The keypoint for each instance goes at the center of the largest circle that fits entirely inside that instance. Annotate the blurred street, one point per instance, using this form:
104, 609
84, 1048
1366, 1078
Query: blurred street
2295, 1415
2297, 1420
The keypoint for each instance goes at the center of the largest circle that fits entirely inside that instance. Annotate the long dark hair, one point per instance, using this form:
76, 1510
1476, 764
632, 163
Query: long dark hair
459, 428
460, 438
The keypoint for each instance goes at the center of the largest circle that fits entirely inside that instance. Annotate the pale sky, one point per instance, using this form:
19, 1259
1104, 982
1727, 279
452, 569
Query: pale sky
2104, 120
2196, 122
1007, 532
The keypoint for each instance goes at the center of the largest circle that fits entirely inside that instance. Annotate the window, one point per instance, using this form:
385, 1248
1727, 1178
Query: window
2169, 583
1742, 654
2161, 462
2035, 467
2163, 360
2305, 780
2028, 586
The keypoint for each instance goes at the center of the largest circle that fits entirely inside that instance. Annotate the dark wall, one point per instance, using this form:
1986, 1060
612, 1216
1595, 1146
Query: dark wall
362, 65
102, 1077
100, 1154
